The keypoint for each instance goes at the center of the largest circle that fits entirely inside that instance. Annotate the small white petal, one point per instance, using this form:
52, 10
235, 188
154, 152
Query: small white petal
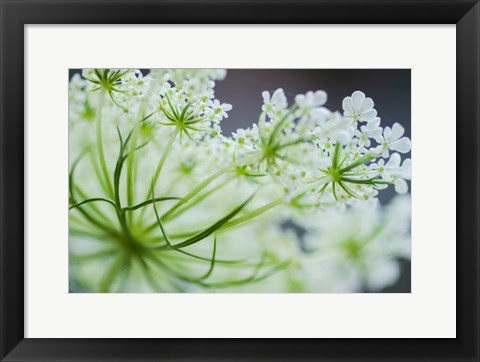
320, 98
357, 99
387, 132
366, 105
266, 96
369, 116
394, 160
397, 131
279, 98
407, 169
300, 99
401, 186
403, 145
347, 106
376, 134
374, 123
319, 115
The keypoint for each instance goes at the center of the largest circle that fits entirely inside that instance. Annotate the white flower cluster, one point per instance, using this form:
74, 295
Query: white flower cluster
187, 102
162, 201
124, 86
333, 156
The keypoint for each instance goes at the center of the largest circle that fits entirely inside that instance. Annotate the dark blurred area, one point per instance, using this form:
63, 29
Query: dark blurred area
390, 89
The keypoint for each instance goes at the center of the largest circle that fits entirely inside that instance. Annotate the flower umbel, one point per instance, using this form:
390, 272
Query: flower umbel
161, 200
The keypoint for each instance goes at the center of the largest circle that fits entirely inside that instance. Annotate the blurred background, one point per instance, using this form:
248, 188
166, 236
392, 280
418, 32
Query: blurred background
390, 89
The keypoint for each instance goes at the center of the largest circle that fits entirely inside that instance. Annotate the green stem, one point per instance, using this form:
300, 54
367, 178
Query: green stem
202, 197
335, 155
187, 197
163, 159
101, 154
131, 172
148, 202
97, 223
75, 228
93, 206
195, 191
279, 125
260, 210
98, 173
156, 175
118, 205
132, 165
252, 214
94, 199
359, 162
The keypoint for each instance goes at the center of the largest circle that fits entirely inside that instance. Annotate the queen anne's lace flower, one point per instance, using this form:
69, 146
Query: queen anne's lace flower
187, 104
394, 172
274, 105
120, 84
332, 126
154, 183
359, 108
371, 130
393, 140
309, 101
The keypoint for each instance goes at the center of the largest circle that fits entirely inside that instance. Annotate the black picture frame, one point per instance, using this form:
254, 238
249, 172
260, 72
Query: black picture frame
15, 14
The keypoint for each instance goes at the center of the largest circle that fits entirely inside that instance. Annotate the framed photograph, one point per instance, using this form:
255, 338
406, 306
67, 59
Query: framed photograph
239, 180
